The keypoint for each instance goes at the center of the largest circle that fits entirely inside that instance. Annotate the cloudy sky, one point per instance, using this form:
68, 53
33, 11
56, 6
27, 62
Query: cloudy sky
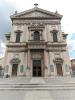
64, 7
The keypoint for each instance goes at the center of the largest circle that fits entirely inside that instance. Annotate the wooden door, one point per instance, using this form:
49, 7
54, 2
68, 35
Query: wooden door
59, 69
14, 69
37, 68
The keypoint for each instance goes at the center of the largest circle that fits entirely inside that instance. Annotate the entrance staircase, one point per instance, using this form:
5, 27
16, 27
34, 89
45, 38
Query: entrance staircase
37, 88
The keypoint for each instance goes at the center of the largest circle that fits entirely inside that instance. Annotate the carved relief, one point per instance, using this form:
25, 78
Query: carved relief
57, 55
58, 60
36, 26
15, 55
15, 61
36, 55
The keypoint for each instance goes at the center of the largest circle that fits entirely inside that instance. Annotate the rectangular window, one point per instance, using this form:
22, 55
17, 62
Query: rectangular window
55, 33
55, 37
17, 37
36, 36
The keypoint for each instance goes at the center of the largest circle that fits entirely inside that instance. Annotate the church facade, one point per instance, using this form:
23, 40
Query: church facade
36, 45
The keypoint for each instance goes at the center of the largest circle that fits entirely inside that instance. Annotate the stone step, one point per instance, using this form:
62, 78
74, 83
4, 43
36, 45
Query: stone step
22, 88
36, 83
42, 80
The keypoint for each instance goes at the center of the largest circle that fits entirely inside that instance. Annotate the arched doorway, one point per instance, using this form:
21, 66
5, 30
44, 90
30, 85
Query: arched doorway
59, 62
15, 62
59, 69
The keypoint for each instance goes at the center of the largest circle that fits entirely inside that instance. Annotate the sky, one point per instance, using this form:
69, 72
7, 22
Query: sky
64, 7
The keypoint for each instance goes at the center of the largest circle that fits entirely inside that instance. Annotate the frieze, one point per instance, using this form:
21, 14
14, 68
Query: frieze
56, 49
27, 22
59, 49
58, 44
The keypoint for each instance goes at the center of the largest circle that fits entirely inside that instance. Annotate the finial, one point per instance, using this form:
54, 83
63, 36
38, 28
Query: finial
56, 12
35, 4
16, 12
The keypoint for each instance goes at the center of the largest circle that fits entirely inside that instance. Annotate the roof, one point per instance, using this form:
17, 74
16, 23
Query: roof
36, 13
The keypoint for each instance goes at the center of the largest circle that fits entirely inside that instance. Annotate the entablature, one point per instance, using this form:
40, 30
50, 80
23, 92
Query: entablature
16, 49
36, 44
13, 44
54, 44
56, 47
28, 22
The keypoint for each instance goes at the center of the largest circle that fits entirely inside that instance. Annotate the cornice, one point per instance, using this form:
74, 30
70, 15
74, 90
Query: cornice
28, 22
36, 10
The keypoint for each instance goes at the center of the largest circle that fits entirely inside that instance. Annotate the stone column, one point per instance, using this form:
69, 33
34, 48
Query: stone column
45, 63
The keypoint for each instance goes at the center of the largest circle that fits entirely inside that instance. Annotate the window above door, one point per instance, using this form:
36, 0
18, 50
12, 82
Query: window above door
36, 36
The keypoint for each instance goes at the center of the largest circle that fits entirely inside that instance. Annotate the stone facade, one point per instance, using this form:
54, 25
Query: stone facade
36, 45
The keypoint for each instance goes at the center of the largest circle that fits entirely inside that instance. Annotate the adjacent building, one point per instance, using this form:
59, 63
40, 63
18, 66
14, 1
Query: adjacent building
73, 66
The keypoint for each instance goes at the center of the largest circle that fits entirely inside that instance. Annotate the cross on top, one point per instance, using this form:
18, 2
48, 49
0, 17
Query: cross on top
35, 4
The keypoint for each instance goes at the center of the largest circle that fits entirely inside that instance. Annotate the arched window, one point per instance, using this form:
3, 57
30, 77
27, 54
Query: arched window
36, 35
18, 34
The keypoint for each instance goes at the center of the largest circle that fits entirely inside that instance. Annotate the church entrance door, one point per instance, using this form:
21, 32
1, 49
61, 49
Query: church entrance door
14, 69
59, 69
37, 68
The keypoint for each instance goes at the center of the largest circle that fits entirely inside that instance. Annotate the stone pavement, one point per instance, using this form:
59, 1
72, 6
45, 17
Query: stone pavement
22, 88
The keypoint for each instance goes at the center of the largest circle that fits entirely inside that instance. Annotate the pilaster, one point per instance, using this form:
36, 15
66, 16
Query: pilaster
28, 69
46, 63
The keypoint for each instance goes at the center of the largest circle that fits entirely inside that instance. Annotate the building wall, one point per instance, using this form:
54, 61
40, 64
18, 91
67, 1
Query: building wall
51, 50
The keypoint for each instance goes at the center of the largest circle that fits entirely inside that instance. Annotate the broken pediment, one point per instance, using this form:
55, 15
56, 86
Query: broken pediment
36, 13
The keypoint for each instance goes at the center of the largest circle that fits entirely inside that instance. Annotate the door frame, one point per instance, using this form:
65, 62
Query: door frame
57, 69
37, 66
15, 69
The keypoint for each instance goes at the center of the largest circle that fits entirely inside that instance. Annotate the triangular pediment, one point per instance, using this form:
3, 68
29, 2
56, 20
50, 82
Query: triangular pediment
36, 13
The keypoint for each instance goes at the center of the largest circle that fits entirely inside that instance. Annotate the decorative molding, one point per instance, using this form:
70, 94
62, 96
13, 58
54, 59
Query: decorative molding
64, 36
8, 36
28, 22
54, 31
35, 13
36, 26
15, 61
18, 31
14, 44
58, 60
